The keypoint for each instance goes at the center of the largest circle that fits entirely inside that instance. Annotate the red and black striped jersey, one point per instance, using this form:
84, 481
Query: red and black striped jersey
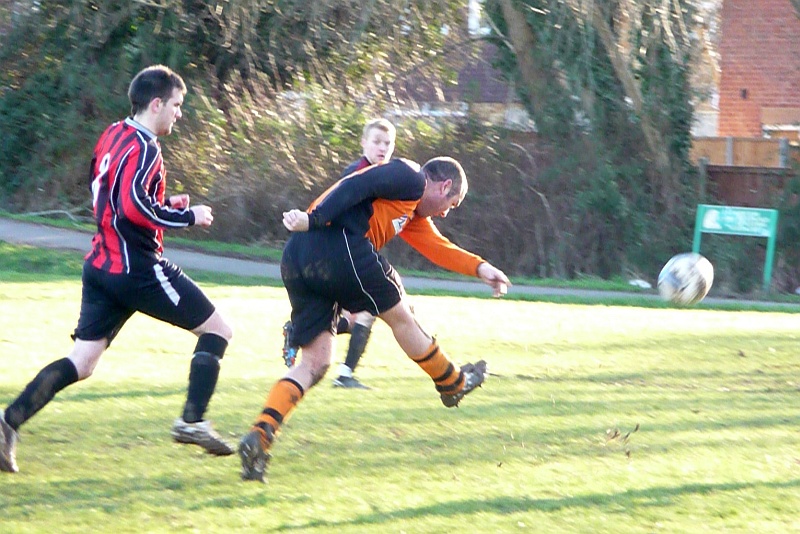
128, 192
357, 165
378, 202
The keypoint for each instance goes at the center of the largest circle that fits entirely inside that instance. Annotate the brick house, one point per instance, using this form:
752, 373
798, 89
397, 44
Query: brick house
749, 159
479, 90
759, 93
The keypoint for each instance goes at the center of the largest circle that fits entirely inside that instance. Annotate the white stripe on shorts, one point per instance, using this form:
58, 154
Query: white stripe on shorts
165, 285
355, 272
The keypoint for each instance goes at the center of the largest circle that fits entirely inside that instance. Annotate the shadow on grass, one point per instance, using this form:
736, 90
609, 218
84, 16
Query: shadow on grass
666, 343
84, 491
612, 502
662, 411
94, 395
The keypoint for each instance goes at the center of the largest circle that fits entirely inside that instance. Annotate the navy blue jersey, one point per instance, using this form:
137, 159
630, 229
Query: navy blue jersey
378, 202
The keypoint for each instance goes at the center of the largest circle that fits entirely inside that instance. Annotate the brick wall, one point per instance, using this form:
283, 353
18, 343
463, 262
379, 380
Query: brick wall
760, 63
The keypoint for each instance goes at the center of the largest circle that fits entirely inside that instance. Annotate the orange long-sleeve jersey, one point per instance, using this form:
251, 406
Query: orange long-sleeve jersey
379, 202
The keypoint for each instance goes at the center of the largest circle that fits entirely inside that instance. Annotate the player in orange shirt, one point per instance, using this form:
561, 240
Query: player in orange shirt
332, 262
377, 141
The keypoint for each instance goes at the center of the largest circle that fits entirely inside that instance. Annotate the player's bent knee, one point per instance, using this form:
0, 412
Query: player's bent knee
398, 315
223, 330
215, 325
85, 355
228, 333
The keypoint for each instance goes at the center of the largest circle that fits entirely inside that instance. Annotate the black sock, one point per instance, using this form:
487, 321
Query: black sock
358, 342
203, 374
41, 390
343, 326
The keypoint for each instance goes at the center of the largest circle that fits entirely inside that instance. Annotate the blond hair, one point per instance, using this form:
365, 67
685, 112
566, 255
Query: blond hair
380, 124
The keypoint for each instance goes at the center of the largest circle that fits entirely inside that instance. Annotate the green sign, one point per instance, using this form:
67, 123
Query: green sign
732, 220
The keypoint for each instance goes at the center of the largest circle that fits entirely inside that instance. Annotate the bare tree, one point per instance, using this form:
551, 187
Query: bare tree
632, 34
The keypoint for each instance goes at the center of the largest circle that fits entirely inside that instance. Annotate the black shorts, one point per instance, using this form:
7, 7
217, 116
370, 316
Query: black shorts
164, 292
329, 269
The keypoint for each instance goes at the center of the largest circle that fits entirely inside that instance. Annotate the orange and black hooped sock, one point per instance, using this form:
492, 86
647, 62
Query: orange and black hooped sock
281, 401
448, 378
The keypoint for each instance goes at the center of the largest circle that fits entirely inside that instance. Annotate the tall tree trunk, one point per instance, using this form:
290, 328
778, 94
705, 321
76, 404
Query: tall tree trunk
659, 152
522, 42
534, 77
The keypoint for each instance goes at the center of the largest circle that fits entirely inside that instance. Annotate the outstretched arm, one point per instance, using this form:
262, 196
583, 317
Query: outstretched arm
426, 239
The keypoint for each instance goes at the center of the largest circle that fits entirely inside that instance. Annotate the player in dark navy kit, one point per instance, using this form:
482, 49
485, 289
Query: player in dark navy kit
332, 261
377, 142
125, 272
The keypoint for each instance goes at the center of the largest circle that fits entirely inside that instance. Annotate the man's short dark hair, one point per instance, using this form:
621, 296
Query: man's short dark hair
157, 81
444, 168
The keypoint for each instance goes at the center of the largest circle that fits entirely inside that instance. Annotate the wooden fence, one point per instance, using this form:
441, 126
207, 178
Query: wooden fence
742, 151
750, 172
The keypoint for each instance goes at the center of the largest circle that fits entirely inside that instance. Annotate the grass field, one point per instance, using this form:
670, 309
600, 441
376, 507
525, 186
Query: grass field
595, 419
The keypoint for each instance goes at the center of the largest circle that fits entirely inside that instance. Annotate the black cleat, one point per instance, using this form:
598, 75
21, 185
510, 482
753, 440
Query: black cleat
348, 382
253, 456
474, 375
202, 434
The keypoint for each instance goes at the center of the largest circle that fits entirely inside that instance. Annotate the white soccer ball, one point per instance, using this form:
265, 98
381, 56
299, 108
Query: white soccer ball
686, 279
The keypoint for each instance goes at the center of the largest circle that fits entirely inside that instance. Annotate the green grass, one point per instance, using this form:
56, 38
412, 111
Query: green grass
76, 219
596, 418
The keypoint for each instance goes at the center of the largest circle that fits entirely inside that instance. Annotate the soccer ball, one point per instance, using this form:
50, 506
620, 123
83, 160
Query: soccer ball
685, 279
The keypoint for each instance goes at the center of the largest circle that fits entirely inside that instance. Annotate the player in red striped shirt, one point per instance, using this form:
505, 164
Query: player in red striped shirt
125, 272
